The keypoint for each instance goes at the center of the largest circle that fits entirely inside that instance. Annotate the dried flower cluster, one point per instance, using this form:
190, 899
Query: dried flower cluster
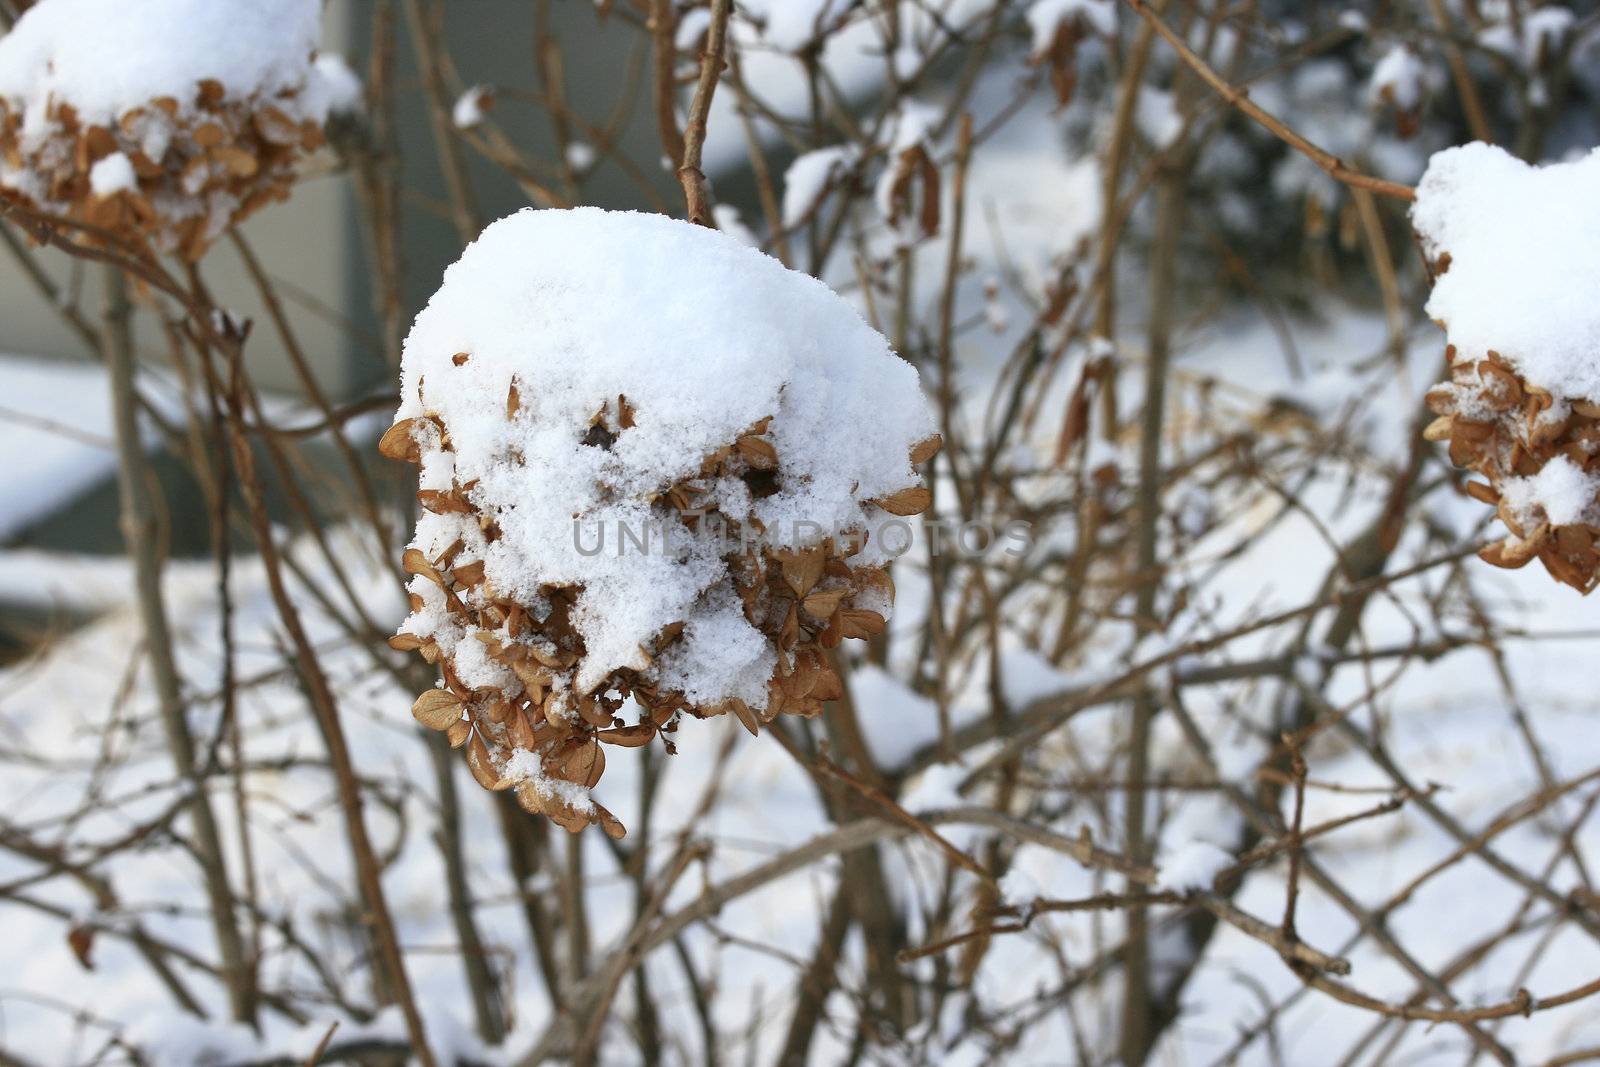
676, 514
537, 731
161, 122
174, 173
1508, 429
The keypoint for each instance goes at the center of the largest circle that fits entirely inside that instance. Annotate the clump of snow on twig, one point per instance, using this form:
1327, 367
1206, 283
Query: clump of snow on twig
1156, 114
790, 25
909, 149
1019, 887
1400, 79
1524, 266
339, 87
580, 155
471, 107
937, 787
1194, 866
810, 177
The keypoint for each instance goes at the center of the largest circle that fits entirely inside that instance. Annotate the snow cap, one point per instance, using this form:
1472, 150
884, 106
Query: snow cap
105, 57
1524, 268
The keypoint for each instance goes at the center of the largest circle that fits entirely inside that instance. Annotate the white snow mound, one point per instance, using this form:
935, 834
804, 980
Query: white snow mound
1524, 245
705, 337
105, 57
1194, 866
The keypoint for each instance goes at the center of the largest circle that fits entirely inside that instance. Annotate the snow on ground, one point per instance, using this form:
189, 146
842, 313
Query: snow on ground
298, 837
63, 580
57, 440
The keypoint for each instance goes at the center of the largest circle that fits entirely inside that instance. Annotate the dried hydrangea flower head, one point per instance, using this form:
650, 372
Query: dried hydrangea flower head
655, 470
161, 120
1516, 254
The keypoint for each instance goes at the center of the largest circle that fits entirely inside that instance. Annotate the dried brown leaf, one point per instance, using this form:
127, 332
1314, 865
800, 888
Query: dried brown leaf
80, 938
828, 686
911, 501
823, 604
437, 709
758, 452
859, 623
399, 442
629, 736
926, 449
803, 569
482, 767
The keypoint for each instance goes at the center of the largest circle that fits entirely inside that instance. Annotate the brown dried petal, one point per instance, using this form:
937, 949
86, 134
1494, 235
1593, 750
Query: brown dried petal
437, 709
926, 449
441, 502
482, 767
629, 736
415, 562
803, 569
580, 762
828, 686
823, 604
758, 452
610, 823
860, 624
742, 711
530, 798
912, 501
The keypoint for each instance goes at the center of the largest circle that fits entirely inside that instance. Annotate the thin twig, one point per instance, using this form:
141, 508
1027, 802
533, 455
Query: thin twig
694, 132
1331, 164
